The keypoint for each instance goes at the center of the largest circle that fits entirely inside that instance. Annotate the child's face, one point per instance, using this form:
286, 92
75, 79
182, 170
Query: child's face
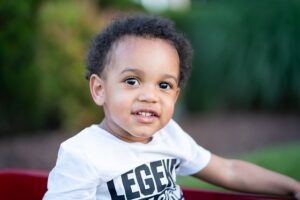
139, 88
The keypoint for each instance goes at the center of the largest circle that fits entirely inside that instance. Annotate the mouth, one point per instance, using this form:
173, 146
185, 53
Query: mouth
146, 116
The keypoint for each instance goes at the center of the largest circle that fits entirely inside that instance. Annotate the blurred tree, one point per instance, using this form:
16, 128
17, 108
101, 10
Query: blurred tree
65, 27
118, 4
18, 78
43, 46
247, 55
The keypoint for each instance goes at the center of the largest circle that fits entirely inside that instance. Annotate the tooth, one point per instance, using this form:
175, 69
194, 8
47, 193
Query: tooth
145, 114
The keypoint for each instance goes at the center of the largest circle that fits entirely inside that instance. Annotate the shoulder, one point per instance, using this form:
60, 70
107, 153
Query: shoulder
172, 126
174, 131
90, 137
90, 144
193, 157
79, 144
91, 151
174, 135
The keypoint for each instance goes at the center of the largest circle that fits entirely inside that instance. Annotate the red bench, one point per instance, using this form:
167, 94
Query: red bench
16, 184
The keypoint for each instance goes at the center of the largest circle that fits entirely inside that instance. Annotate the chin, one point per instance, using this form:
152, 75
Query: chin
144, 132
143, 136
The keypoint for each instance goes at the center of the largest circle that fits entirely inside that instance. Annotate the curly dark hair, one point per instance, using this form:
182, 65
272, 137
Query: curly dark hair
146, 26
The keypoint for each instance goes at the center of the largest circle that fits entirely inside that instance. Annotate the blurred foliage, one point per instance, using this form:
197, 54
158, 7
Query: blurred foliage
18, 77
119, 4
65, 28
246, 55
43, 48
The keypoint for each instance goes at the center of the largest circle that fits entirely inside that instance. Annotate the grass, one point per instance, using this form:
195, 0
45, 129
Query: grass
284, 159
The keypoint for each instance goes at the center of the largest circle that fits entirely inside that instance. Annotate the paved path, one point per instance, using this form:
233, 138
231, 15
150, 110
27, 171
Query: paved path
233, 134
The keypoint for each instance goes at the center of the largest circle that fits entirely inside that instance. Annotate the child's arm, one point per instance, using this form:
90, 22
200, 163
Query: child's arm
246, 177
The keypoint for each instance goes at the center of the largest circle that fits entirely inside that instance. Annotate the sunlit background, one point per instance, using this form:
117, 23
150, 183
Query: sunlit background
243, 95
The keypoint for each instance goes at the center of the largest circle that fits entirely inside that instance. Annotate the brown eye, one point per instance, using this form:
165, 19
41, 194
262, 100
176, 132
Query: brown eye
132, 81
165, 85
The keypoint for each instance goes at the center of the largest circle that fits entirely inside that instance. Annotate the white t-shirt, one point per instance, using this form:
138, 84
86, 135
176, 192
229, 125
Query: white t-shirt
94, 164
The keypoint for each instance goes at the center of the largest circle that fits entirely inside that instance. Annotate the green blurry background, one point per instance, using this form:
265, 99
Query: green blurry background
246, 59
247, 55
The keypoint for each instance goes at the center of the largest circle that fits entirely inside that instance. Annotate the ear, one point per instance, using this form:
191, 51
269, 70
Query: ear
97, 89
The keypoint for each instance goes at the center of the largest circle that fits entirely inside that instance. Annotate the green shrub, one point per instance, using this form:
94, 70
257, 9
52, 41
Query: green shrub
120, 4
246, 55
65, 28
18, 77
43, 47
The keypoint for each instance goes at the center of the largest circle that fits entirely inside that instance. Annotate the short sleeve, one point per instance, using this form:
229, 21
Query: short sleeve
195, 161
193, 157
72, 178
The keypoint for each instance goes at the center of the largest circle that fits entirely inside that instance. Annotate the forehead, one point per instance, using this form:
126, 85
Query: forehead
131, 40
143, 51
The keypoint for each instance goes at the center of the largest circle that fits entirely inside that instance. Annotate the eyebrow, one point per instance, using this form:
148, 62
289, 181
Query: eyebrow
141, 72
132, 70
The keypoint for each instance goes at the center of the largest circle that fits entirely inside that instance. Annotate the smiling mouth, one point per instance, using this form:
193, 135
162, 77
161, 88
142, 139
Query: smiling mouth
146, 117
147, 114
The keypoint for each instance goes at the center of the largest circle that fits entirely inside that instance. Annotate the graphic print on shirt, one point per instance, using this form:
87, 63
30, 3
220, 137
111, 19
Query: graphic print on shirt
151, 181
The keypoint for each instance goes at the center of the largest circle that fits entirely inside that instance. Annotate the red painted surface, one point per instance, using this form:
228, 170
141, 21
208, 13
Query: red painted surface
196, 194
16, 184
22, 184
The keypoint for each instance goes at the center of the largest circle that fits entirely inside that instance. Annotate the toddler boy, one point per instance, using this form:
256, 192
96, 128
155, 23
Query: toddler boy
136, 68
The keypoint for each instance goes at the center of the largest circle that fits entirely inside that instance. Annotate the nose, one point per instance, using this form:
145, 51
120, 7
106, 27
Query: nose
148, 94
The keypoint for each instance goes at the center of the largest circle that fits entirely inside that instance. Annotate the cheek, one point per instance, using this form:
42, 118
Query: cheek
169, 104
119, 100
113, 92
